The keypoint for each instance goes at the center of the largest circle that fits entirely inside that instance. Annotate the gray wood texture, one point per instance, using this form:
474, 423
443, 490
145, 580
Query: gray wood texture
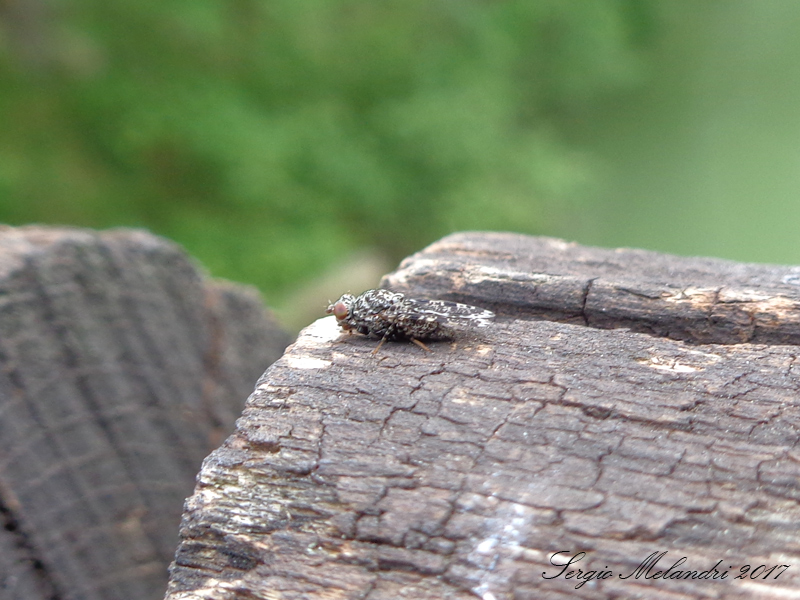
595, 416
121, 366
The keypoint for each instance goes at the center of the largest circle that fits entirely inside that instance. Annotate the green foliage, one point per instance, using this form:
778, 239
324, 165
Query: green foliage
273, 138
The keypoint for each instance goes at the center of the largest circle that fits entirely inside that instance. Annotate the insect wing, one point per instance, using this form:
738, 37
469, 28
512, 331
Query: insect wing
447, 313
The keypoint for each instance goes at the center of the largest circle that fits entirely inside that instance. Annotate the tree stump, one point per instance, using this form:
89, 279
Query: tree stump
121, 367
625, 404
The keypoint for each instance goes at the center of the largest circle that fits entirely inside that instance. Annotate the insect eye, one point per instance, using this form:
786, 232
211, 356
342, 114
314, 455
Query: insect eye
340, 311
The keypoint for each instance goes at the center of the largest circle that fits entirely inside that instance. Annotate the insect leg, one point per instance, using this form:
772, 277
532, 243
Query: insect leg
382, 342
389, 333
421, 345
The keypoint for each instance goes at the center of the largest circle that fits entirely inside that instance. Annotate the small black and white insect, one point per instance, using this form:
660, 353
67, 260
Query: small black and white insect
391, 316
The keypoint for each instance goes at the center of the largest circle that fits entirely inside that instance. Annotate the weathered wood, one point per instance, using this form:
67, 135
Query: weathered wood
703, 300
121, 367
458, 473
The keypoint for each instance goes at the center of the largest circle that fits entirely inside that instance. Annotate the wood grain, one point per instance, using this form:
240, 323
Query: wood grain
121, 366
457, 474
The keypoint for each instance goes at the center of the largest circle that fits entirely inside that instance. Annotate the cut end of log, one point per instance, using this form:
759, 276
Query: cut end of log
123, 365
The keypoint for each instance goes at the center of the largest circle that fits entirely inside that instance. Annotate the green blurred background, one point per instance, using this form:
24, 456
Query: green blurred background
306, 146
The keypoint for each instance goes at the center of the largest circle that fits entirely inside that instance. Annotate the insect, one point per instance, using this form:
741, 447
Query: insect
391, 316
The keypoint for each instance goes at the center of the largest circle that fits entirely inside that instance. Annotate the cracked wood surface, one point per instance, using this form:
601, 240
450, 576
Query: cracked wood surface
456, 474
121, 367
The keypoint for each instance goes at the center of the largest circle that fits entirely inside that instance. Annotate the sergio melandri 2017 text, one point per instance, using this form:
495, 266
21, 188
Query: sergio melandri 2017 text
648, 569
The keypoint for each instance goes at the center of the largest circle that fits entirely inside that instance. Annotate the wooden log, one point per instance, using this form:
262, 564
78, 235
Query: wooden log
461, 473
121, 367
